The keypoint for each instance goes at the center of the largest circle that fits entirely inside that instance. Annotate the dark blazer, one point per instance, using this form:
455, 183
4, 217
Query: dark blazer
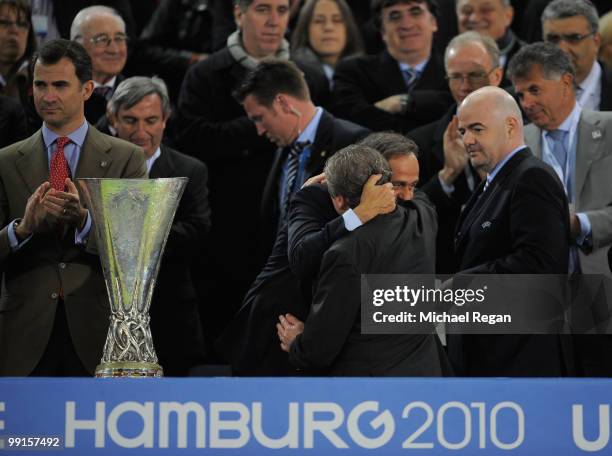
175, 319
95, 107
35, 274
13, 125
520, 225
360, 82
401, 242
332, 135
605, 101
430, 139
250, 343
610, 258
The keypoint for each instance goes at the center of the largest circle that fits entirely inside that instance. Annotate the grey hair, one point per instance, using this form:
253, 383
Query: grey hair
561, 9
83, 16
505, 3
130, 91
390, 144
551, 59
348, 170
471, 37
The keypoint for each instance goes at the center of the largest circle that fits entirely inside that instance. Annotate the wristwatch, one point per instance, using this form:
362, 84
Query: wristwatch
404, 101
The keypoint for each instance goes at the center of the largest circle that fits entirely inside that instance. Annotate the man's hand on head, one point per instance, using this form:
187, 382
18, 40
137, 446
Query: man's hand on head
375, 199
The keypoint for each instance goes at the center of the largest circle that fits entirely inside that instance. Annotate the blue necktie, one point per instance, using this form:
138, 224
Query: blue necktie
558, 149
291, 172
410, 77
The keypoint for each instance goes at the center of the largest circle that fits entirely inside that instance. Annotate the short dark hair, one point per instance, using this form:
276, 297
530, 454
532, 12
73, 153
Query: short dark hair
244, 4
561, 9
550, 58
390, 144
300, 37
53, 51
24, 13
378, 5
271, 77
348, 170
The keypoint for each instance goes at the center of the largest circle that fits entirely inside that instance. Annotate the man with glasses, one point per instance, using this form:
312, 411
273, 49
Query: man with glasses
491, 18
572, 25
472, 62
403, 87
101, 30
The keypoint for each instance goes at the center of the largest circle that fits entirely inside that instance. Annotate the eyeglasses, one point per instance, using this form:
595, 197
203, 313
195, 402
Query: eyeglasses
103, 41
571, 38
6, 24
473, 78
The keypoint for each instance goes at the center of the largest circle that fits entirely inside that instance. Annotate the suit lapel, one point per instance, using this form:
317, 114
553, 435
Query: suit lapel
95, 159
591, 136
33, 164
322, 143
390, 76
163, 166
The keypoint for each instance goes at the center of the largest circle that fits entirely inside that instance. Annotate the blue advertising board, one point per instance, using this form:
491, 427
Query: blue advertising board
305, 416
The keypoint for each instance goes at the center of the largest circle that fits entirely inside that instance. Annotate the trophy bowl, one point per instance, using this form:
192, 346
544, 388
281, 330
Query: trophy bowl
132, 219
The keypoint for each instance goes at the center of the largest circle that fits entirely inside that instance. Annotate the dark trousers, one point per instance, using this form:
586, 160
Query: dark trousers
60, 358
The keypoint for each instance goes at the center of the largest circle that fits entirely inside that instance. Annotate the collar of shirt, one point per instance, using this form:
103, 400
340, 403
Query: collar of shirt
310, 132
72, 150
591, 88
501, 164
569, 125
152, 159
419, 67
110, 83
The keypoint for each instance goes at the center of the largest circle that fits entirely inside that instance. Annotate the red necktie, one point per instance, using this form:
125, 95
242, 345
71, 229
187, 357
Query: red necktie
59, 170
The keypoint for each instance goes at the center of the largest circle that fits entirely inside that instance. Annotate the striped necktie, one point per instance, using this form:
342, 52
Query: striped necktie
411, 75
291, 173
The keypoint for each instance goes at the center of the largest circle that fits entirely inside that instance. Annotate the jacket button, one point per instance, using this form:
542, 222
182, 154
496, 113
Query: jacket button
62, 265
54, 295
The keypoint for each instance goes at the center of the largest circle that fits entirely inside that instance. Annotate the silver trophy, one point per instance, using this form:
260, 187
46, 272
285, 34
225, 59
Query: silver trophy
132, 219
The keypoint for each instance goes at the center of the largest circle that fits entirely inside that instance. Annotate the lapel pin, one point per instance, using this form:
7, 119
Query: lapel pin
596, 134
323, 153
103, 164
486, 225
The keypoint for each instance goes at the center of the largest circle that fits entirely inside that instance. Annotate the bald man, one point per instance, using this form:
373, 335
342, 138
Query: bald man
516, 222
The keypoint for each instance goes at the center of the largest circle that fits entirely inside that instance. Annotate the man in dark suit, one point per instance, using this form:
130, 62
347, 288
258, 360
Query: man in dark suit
573, 25
403, 87
101, 30
139, 110
516, 222
472, 62
402, 241
491, 18
275, 97
212, 126
12, 121
54, 310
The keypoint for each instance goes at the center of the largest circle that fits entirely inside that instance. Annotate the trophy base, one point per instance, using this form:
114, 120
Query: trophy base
129, 369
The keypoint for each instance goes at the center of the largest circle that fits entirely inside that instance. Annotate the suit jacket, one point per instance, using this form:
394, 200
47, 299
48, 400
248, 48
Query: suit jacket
593, 194
95, 107
45, 266
520, 225
402, 242
250, 343
175, 319
332, 135
605, 100
430, 139
360, 82
12, 121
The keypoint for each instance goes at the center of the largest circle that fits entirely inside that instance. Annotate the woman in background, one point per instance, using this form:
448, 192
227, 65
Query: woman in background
324, 34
